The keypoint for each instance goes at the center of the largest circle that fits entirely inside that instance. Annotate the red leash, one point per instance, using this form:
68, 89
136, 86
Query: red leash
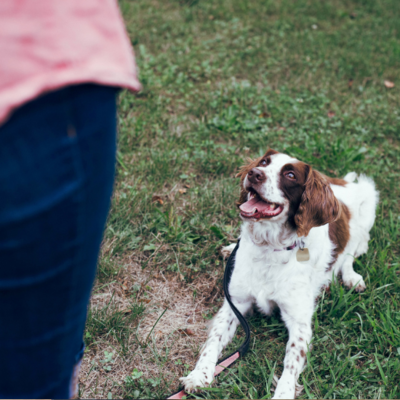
226, 362
218, 369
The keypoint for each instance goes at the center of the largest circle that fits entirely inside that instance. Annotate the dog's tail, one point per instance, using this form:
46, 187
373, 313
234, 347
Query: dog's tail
366, 199
350, 177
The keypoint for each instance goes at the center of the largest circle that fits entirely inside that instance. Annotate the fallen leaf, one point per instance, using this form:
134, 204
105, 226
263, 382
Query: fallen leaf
331, 114
187, 186
353, 16
182, 191
126, 311
186, 331
124, 287
157, 199
350, 83
211, 17
389, 84
145, 301
182, 277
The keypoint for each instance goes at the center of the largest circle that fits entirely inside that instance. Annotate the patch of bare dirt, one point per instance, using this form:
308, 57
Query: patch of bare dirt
180, 332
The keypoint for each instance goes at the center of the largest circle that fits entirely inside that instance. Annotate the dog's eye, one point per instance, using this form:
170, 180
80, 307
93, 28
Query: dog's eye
290, 175
263, 163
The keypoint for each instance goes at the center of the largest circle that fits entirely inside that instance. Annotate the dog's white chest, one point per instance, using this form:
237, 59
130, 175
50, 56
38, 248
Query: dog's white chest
270, 277
265, 276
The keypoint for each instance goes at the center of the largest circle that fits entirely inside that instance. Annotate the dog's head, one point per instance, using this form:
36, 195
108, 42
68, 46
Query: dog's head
280, 188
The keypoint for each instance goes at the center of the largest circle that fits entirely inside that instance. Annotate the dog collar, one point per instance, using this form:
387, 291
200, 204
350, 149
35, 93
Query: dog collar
293, 246
302, 254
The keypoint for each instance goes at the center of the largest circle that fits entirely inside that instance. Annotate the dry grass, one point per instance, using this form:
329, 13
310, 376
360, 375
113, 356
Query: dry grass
176, 337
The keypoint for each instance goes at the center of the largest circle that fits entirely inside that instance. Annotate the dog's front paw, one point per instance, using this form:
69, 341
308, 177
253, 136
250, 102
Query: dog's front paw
353, 279
284, 390
227, 250
195, 380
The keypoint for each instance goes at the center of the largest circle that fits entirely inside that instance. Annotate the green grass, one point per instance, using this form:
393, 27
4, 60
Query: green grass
225, 80
109, 321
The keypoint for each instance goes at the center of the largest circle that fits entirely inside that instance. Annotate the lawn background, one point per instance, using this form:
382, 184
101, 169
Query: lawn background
223, 81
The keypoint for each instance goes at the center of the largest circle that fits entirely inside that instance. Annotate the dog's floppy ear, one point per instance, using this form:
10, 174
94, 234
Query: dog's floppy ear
318, 205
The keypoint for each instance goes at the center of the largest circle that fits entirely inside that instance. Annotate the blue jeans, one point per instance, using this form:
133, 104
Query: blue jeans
57, 161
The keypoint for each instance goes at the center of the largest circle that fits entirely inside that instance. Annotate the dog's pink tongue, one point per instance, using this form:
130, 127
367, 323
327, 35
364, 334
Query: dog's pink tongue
254, 205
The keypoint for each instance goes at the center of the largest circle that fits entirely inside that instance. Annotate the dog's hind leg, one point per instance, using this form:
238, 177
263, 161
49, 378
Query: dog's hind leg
344, 264
220, 334
349, 276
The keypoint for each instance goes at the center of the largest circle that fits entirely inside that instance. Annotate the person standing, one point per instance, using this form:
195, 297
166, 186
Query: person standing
62, 64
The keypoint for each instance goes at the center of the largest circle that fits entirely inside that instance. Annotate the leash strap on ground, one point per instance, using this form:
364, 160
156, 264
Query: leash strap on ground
229, 360
227, 278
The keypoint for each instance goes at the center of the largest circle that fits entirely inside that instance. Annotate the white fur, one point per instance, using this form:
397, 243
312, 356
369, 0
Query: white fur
267, 278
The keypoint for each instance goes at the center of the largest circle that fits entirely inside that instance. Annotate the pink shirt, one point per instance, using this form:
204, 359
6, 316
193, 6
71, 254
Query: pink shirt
47, 44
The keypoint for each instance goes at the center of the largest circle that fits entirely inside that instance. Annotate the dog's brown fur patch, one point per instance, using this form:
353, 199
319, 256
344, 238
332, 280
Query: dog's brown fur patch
339, 232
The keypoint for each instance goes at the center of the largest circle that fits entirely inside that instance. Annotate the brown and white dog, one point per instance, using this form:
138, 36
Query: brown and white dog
284, 203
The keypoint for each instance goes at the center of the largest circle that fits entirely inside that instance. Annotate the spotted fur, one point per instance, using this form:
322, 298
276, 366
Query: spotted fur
332, 216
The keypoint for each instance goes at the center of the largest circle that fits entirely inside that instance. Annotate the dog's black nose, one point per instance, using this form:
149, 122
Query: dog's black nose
256, 176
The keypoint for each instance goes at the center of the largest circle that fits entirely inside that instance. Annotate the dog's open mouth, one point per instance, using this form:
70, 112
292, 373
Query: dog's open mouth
257, 208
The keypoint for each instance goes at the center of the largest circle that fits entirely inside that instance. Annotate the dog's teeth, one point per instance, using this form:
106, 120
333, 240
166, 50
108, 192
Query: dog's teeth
272, 206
